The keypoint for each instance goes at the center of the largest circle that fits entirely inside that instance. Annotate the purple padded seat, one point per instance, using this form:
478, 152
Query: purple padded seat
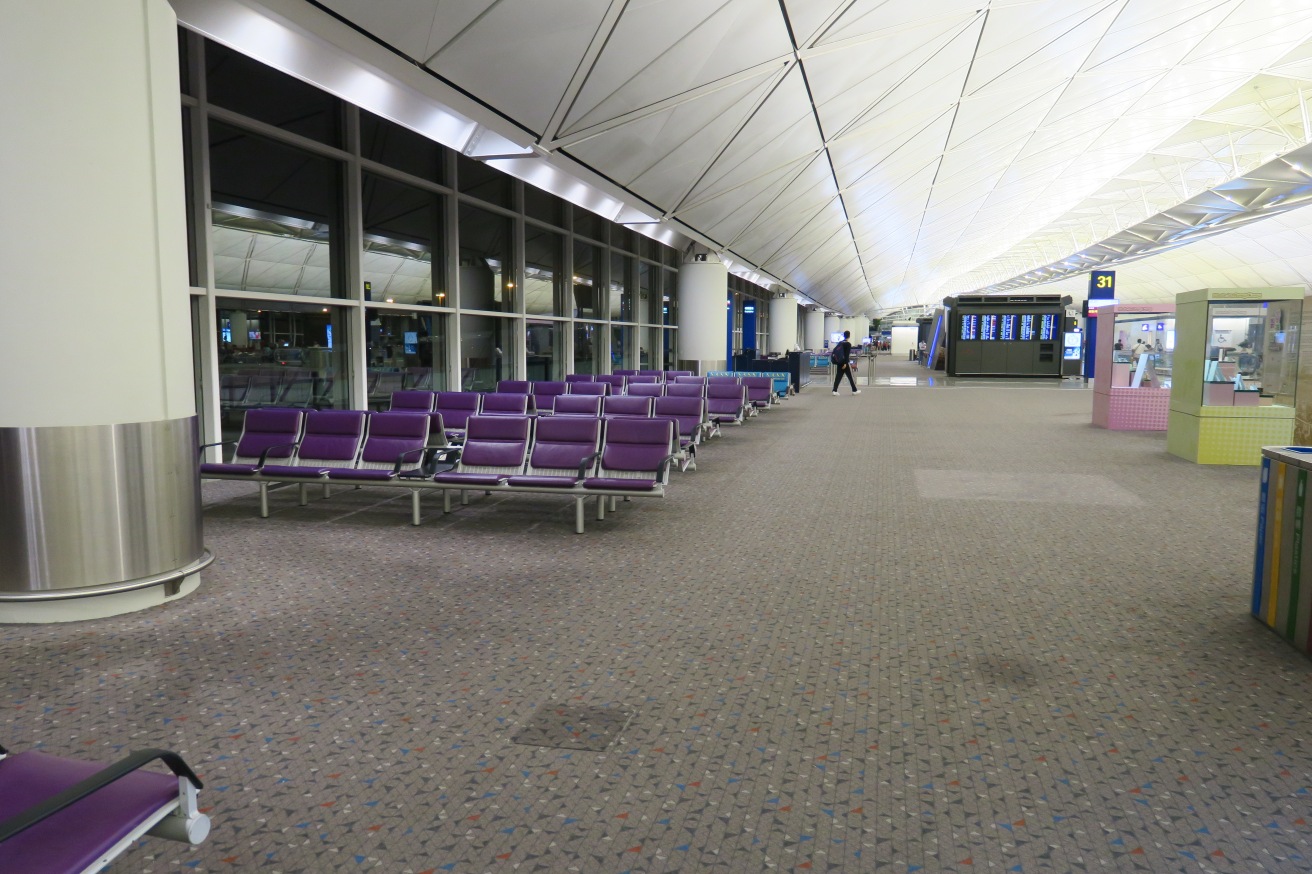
76, 837
645, 379
726, 403
514, 386
672, 375
724, 380
625, 372
625, 405
635, 455
655, 373
760, 390
504, 404
495, 448
590, 388
332, 439
646, 390
456, 407
412, 401
614, 380
545, 393
263, 431
578, 377
685, 390
578, 405
690, 415
560, 446
395, 441
690, 380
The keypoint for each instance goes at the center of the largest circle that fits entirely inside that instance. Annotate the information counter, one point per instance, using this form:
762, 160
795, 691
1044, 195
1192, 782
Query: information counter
1132, 366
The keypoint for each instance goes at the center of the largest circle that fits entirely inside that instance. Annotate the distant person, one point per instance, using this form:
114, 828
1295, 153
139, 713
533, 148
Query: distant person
1141, 346
922, 350
842, 357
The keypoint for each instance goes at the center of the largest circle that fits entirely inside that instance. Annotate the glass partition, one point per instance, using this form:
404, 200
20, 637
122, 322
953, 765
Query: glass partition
487, 351
1143, 349
544, 350
406, 351
1252, 353
586, 337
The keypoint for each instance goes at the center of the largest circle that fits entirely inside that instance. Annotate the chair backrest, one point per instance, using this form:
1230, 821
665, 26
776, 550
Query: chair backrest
412, 401
436, 429
625, 405
759, 388
625, 372
504, 404
514, 386
690, 412
635, 448
720, 391
589, 388
672, 375
685, 390
392, 435
578, 405
545, 393
644, 379
614, 380
690, 380
332, 436
457, 406
578, 377
646, 390
495, 444
656, 373
723, 380
560, 443
266, 428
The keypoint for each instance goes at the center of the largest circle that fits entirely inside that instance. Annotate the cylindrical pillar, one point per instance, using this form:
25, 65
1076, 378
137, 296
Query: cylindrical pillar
703, 316
833, 325
783, 322
815, 329
99, 497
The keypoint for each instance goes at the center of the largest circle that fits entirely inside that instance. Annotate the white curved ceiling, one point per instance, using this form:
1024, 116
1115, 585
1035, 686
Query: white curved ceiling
878, 153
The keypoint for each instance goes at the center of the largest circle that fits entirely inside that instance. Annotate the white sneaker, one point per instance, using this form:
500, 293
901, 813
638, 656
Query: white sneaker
857, 392
835, 394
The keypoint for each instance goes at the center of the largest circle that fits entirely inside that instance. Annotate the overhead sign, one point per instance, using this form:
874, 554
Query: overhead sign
1102, 283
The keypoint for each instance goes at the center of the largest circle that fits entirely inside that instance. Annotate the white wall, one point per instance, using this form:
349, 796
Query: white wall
905, 338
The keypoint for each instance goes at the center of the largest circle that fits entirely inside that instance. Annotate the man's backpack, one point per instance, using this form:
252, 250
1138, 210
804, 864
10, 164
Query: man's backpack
839, 355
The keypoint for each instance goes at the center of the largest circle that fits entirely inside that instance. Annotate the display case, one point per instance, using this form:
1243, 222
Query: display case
1235, 373
1132, 366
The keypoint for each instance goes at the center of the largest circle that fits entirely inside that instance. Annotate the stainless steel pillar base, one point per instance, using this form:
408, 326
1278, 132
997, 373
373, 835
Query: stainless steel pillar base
98, 520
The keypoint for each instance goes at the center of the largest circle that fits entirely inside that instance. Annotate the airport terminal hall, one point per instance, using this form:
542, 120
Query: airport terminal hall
656, 436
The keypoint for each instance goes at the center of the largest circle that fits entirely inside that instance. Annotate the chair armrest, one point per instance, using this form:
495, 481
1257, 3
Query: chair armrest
205, 446
400, 459
587, 462
264, 456
95, 782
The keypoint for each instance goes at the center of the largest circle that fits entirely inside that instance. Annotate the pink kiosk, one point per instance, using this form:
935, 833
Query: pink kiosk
1132, 370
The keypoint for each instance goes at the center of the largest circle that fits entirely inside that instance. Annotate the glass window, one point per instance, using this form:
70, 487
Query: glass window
649, 351
649, 292
621, 290
543, 206
189, 194
275, 215
1252, 353
242, 84
487, 351
621, 348
544, 272
671, 256
486, 183
587, 285
544, 349
403, 243
587, 336
282, 355
671, 349
405, 351
486, 256
589, 224
184, 61
623, 238
670, 298
389, 143
1143, 347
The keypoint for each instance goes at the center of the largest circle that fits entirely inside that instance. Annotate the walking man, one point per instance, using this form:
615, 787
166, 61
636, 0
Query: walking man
842, 357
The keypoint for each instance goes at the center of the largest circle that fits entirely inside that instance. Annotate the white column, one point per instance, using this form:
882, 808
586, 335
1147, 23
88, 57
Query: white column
98, 435
833, 323
783, 322
815, 329
703, 316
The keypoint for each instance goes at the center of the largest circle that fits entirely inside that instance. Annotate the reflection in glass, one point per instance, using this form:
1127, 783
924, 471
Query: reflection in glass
389, 143
486, 183
649, 292
402, 230
671, 348
275, 215
621, 290
544, 206
649, 351
405, 351
670, 299
487, 351
486, 256
621, 348
587, 287
290, 355
242, 84
587, 336
544, 272
544, 350
1143, 349
589, 224
1252, 353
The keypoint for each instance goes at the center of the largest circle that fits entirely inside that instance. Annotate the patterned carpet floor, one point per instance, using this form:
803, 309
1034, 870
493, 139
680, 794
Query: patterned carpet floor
926, 628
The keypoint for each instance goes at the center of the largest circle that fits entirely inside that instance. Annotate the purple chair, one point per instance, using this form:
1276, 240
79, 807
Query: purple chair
690, 416
495, 448
394, 447
60, 814
614, 380
625, 372
504, 404
656, 373
456, 407
625, 405
332, 439
412, 402
690, 380
266, 433
726, 404
564, 453
589, 388
672, 375
760, 391
646, 390
635, 458
545, 394
514, 386
724, 380
685, 390
578, 377
578, 405
645, 379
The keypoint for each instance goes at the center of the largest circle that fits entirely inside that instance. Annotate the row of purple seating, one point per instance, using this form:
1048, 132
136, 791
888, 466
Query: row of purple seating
583, 456
760, 389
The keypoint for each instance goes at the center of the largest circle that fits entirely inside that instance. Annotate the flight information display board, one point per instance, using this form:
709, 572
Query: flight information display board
988, 327
1027, 327
970, 327
1008, 328
1048, 327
